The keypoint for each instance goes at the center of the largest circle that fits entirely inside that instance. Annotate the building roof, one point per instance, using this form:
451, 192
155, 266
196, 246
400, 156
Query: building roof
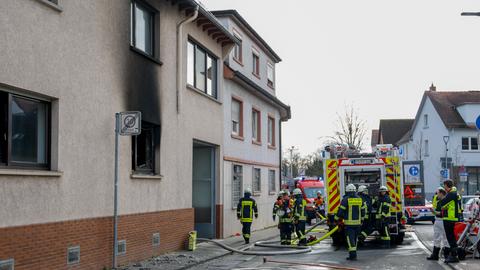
234, 14
207, 21
446, 102
255, 89
392, 130
374, 140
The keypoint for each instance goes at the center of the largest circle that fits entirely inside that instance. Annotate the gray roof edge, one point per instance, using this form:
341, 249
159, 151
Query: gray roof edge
235, 14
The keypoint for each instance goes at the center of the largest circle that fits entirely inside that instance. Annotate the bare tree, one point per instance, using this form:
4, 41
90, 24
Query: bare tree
351, 130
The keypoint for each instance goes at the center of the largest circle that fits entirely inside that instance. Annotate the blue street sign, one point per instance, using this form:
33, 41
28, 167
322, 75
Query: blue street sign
413, 170
445, 173
477, 123
400, 151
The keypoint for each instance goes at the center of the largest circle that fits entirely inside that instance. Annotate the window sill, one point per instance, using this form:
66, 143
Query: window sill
40, 173
272, 193
273, 147
51, 5
146, 176
257, 143
257, 193
256, 75
238, 61
149, 57
200, 92
470, 151
238, 137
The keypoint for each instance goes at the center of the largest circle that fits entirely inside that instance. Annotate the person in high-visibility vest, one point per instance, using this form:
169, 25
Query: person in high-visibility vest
439, 236
367, 226
320, 204
246, 209
350, 213
449, 208
299, 217
382, 216
277, 204
285, 220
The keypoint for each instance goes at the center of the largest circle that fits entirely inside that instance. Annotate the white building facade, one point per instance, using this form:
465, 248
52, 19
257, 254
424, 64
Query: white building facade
445, 127
253, 117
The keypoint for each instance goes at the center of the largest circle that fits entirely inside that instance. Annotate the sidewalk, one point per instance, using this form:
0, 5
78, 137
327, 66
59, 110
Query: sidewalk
204, 252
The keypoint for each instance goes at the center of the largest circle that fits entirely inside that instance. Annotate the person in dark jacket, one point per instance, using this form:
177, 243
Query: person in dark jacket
351, 212
382, 207
246, 209
367, 226
449, 208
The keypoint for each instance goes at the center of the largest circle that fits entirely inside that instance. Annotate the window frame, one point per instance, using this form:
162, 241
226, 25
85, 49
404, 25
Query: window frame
11, 164
238, 59
234, 196
256, 64
270, 181
240, 133
271, 144
425, 121
427, 148
73, 249
8, 262
133, 23
154, 143
258, 139
271, 83
469, 144
254, 171
215, 64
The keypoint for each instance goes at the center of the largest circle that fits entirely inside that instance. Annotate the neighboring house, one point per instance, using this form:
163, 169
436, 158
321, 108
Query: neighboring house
452, 114
67, 67
392, 130
253, 118
374, 138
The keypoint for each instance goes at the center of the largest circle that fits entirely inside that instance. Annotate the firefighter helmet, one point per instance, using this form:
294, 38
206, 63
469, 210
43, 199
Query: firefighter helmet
247, 191
383, 189
362, 189
297, 191
351, 188
281, 193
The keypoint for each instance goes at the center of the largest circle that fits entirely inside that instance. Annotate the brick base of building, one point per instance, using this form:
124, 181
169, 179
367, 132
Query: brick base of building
44, 246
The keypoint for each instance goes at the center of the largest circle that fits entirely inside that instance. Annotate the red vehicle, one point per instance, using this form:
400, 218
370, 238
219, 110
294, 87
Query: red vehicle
309, 188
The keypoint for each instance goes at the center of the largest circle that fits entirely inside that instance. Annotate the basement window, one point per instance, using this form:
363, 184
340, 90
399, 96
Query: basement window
122, 247
73, 255
7, 264
156, 239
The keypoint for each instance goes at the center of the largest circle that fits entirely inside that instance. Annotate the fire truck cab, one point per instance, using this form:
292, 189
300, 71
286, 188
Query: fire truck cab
372, 171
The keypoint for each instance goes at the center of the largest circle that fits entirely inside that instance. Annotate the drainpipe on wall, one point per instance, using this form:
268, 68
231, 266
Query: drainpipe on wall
180, 53
280, 149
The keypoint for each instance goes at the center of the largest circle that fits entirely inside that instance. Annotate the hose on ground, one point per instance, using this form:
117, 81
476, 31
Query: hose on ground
314, 242
262, 243
297, 250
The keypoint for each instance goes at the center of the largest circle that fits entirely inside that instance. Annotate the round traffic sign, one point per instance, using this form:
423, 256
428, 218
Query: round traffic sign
477, 123
413, 170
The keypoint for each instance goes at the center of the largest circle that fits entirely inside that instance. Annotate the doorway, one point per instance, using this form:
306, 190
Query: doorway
203, 189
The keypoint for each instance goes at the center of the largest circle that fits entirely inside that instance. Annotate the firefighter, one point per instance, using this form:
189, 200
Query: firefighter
439, 236
299, 217
320, 204
449, 208
246, 209
351, 212
285, 220
367, 226
382, 207
277, 204
460, 205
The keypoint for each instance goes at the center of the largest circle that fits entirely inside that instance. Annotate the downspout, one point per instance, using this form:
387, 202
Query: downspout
180, 53
280, 149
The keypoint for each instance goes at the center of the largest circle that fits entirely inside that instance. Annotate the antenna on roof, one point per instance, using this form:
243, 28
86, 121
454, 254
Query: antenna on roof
433, 88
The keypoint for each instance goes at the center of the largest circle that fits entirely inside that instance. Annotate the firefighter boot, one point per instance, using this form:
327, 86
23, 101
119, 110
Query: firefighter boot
452, 257
434, 256
446, 251
352, 256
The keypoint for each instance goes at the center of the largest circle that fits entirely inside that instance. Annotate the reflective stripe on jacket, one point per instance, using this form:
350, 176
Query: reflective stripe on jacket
351, 210
246, 208
299, 210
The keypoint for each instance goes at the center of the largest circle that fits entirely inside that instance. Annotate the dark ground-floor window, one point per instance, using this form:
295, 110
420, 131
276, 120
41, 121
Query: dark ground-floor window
473, 181
143, 149
24, 131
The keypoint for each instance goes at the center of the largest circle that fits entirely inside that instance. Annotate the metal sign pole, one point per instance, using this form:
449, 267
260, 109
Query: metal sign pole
115, 202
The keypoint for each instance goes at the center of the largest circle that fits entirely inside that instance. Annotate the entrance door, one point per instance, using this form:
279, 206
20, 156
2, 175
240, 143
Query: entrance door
203, 192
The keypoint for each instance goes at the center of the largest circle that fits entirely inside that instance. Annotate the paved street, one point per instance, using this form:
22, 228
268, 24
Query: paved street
410, 255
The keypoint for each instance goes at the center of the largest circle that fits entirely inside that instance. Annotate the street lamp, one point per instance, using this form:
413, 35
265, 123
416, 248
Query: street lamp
445, 140
470, 14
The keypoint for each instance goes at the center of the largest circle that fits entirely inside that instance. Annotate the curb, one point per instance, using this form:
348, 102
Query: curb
427, 247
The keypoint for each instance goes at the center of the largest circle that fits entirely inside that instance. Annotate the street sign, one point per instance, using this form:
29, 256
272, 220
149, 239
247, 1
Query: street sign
400, 151
463, 176
477, 123
412, 173
445, 173
130, 123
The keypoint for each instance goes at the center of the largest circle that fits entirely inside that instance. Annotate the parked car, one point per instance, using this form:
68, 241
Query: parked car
420, 213
468, 204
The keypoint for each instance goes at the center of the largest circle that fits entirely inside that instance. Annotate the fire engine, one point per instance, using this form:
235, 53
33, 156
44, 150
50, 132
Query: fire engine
381, 168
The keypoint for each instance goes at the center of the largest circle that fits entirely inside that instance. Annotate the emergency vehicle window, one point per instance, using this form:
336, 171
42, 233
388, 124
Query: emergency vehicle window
371, 179
312, 192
